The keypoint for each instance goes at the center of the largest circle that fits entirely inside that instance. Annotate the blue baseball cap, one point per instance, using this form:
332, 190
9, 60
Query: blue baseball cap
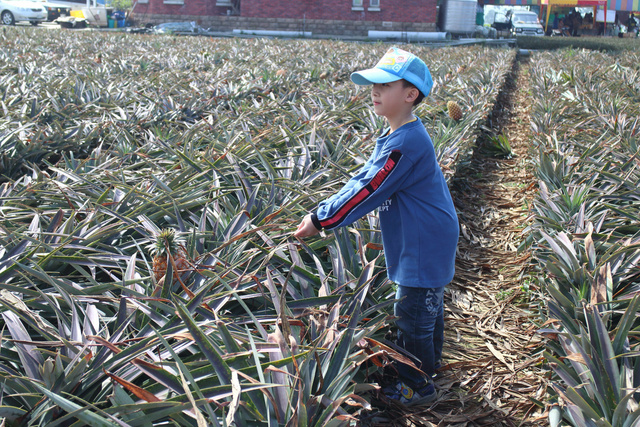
397, 64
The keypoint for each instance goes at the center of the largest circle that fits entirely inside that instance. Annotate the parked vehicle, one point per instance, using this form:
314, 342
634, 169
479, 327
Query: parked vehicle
524, 23
515, 23
71, 22
55, 10
12, 11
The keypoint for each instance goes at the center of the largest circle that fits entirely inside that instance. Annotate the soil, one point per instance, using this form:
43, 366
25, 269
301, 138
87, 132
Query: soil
493, 374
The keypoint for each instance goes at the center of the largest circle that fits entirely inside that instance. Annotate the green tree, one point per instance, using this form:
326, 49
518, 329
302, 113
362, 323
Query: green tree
122, 4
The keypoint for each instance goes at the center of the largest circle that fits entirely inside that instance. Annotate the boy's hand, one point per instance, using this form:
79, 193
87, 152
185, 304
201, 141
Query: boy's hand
306, 228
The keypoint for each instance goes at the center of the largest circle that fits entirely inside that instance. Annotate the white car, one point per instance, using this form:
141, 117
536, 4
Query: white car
525, 23
12, 11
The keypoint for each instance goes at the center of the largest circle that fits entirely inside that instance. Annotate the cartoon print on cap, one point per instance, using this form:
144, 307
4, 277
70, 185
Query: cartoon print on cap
394, 59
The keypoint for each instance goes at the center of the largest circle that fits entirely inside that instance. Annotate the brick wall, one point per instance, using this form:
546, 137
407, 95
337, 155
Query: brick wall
389, 10
197, 8
329, 17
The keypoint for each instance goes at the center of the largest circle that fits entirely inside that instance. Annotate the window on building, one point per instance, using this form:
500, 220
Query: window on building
173, 1
357, 5
374, 5
233, 5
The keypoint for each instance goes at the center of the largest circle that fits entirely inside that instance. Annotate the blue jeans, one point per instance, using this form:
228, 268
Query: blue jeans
420, 328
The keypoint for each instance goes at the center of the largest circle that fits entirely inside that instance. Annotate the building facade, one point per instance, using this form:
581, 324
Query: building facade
319, 17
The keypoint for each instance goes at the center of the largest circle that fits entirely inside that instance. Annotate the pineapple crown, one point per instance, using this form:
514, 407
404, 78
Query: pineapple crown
166, 242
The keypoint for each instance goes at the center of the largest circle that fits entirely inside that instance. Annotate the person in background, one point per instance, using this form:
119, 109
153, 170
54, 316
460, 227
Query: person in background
632, 25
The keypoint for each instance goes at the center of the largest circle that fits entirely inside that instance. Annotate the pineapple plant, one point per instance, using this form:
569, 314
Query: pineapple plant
454, 110
154, 163
498, 146
587, 266
168, 245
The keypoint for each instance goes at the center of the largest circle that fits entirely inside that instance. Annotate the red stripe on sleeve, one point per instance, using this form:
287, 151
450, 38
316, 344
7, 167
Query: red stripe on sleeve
351, 203
361, 195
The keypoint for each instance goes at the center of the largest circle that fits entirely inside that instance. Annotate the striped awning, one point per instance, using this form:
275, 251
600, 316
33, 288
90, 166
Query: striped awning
513, 2
621, 5
625, 5
576, 3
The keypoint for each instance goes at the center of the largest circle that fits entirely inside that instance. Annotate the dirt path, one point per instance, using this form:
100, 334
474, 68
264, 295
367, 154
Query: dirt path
490, 374
490, 335
491, 377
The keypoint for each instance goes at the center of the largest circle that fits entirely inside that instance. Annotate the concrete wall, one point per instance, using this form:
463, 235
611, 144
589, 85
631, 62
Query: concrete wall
316, 26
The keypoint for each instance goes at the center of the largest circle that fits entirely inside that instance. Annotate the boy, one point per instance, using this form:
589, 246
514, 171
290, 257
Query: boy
418, 220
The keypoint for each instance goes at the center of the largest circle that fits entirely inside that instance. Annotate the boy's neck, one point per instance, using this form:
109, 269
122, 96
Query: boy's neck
397, 121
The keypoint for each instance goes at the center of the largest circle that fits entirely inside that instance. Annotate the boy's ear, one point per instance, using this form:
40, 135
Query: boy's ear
412, 94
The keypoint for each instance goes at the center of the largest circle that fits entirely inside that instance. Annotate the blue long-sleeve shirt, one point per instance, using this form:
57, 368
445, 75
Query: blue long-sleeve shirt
403, 180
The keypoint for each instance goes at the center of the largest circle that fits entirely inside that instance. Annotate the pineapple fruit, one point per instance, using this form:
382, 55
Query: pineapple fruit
167, 243
454, 110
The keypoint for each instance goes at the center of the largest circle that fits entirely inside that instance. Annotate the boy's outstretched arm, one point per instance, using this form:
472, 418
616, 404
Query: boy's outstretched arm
306, 228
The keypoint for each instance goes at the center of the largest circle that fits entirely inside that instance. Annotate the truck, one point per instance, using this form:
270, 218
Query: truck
94, 12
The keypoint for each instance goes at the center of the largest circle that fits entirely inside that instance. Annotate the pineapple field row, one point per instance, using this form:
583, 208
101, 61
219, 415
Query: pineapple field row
586, 234
148, 193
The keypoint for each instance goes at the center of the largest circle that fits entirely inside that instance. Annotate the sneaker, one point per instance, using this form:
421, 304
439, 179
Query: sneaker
438, 371
409, 396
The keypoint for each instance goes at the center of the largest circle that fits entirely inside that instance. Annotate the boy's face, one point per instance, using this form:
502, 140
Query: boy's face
391, 99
